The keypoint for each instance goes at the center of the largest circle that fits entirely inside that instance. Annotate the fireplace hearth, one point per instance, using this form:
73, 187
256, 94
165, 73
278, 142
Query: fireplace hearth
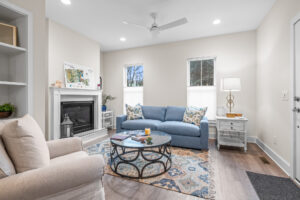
81, 114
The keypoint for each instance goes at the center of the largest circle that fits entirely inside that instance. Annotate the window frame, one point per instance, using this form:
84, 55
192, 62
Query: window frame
189, 60
125, 74
136, 89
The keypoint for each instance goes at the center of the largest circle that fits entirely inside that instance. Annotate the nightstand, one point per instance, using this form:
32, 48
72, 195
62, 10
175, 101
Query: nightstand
232, 132
108, 119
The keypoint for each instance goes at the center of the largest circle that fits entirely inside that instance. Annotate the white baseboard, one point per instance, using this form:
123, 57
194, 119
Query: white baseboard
283, 164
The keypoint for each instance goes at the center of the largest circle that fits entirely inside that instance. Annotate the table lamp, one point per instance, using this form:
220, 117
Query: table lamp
231, 85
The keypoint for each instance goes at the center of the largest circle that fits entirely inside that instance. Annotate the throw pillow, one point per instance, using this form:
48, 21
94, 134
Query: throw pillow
134, 112
26, 144
194, 115
6, 166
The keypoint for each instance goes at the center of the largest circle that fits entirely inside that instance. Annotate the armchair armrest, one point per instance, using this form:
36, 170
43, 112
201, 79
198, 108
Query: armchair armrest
55, 178
120, 119
64, 146
204, 132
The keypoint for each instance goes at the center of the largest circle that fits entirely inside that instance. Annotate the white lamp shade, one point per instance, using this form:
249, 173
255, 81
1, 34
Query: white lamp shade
231, 84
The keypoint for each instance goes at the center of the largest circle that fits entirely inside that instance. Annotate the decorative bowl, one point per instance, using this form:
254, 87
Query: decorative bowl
4, 115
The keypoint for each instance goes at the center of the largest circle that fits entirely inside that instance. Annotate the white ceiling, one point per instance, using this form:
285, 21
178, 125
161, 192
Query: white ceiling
101, 20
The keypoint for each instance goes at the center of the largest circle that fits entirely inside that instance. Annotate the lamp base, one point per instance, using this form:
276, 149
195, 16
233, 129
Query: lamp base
233, 115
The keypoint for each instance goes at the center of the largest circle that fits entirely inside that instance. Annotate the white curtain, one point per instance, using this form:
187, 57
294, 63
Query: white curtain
203, 96
132, 96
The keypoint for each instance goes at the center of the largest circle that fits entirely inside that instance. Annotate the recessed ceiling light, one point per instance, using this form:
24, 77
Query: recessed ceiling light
216, 21
122, 39
66, 2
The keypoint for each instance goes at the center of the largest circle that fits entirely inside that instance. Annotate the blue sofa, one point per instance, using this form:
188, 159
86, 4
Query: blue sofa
169, 120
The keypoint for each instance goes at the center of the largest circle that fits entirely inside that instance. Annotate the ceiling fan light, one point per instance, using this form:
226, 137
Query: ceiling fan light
66, 2
216, 21
123, 39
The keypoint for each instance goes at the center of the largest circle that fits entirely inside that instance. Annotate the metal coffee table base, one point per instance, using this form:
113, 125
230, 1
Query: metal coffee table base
117, 158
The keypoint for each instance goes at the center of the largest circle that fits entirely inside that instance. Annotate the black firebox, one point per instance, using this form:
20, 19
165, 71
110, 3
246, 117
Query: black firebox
81, 114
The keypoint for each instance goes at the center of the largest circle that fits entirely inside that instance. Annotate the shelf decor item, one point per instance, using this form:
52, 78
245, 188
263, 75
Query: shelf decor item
66, 127
105, 100
8, 34
6, 110
230, 85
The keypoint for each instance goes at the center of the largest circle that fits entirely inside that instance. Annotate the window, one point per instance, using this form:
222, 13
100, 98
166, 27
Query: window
201, 90
133, 85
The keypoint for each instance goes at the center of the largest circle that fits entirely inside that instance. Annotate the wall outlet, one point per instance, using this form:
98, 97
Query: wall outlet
284, 95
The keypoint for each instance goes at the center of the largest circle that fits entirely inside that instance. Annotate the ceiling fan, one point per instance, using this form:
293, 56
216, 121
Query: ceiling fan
155, 28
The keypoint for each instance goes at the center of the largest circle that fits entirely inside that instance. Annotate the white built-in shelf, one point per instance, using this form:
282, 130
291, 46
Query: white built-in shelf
10, 49
12, 83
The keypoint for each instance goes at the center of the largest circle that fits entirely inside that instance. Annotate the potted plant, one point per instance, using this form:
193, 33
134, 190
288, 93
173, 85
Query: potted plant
6, 110
105, 100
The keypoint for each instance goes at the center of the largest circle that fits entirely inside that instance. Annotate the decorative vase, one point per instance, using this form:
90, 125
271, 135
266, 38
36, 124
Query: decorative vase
103, 108
5, 114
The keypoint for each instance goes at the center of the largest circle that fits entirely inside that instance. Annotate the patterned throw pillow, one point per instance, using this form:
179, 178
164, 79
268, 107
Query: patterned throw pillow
134, 112
194, 115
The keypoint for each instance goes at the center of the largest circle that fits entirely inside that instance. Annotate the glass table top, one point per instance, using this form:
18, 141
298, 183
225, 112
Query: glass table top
158, 139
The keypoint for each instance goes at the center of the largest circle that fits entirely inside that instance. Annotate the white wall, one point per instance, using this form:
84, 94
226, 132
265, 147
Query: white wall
37, 8
66, 45
273, 76
165, 68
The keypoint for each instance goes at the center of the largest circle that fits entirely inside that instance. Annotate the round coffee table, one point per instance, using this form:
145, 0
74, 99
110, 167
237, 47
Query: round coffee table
157, 152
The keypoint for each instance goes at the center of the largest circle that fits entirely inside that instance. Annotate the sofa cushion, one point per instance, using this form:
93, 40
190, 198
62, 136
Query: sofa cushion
141, 124
154, 112
26, 144
179, 128
174, 113
6, 166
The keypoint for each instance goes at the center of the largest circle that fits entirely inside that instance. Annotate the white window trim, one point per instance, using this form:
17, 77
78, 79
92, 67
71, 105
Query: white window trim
200, 59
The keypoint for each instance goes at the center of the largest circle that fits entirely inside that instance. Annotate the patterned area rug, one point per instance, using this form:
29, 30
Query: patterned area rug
191, 172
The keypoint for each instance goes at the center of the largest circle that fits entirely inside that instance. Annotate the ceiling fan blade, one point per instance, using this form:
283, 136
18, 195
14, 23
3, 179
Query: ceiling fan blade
134, 24
173, 24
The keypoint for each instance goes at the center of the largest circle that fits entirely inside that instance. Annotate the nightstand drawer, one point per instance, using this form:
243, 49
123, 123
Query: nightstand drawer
231, 126
231, 123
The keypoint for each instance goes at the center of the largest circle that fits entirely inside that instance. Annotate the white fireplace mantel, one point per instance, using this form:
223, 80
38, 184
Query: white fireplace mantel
59, 95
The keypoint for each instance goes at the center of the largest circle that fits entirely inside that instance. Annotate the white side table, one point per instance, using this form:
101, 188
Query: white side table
108, 119
232, 132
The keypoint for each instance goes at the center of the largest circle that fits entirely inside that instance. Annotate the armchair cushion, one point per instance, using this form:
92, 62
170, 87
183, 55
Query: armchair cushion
25, 144
64, 146
54, 178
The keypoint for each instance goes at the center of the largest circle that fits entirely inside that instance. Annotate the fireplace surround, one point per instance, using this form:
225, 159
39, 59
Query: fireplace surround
61, 97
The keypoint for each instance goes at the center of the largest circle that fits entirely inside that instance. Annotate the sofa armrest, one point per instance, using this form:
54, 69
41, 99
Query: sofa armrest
120, 119
64, 146
55, 178
204, 132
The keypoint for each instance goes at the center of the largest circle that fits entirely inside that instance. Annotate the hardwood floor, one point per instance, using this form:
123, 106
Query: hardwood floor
231, 181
